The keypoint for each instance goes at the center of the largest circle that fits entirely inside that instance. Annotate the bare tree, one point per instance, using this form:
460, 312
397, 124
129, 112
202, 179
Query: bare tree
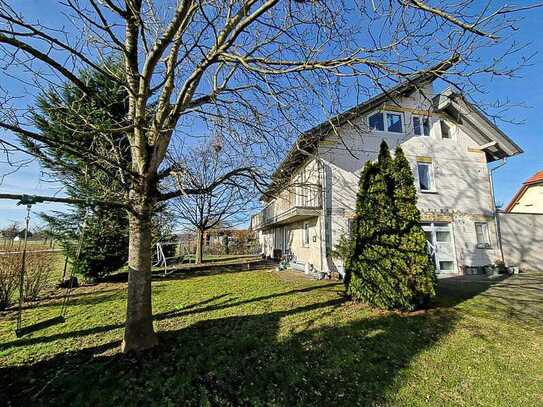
228, 202
9, 233
258, 71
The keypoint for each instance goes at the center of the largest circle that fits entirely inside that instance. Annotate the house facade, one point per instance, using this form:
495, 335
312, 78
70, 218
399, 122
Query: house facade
529, 198
449, 144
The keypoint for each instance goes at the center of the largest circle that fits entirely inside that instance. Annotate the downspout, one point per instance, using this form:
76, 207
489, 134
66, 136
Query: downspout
323, 212
498, 226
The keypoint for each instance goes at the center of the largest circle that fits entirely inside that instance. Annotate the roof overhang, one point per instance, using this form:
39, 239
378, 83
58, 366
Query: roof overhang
494, 142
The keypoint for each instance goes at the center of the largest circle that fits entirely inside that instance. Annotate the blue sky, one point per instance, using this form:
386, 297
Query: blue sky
526, 90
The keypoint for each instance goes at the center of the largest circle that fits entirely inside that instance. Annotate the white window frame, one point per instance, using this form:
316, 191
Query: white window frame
431, 175
306, 239
485, 234
421, 125
385, 113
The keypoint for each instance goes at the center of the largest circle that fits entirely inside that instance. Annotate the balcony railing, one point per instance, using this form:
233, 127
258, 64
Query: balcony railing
306, 202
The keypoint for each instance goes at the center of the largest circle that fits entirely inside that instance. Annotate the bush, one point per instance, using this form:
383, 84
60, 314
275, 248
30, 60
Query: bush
37, 272
387, 264
9, 278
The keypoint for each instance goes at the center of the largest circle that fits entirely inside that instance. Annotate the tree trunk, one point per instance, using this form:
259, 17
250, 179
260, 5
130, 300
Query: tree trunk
139, 333
199, 246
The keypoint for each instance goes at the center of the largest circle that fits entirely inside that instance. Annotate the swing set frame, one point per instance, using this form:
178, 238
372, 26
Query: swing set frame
29, 201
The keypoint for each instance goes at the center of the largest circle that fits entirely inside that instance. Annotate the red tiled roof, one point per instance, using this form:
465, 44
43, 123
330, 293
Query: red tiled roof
534, 179
537, 177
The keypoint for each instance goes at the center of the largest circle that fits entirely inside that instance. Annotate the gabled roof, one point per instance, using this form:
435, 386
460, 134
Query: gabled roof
308, 141
494, 142
537, 178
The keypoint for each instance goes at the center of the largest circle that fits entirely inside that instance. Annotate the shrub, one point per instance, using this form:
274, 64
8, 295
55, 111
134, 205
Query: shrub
9, 278
38, 272
387, 263
38, 269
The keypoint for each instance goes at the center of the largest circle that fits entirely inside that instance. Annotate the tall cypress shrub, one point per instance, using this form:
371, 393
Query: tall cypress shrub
388, 265
419, 269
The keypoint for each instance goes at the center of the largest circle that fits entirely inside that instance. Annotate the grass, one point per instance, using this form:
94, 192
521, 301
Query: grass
259, 338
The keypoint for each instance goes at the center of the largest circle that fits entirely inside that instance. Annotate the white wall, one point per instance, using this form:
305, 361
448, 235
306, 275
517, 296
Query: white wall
463, 190
531, 201
522, 240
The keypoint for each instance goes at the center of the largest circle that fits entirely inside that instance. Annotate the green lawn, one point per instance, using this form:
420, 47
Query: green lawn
259, 338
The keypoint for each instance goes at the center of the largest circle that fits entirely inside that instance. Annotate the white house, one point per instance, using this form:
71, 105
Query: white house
449, 143
529, 198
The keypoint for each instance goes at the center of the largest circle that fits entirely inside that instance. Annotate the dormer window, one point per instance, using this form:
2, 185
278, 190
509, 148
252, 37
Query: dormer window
386, 121
421, 126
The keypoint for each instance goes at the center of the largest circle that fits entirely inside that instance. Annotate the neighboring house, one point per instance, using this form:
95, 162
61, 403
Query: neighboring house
529, 198
449, 143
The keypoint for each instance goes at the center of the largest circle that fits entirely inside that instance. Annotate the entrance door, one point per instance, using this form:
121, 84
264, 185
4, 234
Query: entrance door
441, 246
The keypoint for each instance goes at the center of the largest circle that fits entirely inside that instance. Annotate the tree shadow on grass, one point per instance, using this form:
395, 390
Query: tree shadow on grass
207, 305
240, 360
243, 360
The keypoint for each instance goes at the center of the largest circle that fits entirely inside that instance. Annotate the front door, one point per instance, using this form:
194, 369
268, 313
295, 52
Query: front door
441, 246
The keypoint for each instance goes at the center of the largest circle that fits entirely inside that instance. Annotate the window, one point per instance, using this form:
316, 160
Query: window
377, 122
443, 236
481, 231
446, 266
445, 129
421, 126
306, 234
426, 182
393, 122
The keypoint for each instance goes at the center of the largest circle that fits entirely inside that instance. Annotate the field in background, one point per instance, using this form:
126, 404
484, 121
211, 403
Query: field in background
32, 245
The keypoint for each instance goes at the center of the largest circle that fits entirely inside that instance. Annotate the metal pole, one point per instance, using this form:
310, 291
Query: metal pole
22, 271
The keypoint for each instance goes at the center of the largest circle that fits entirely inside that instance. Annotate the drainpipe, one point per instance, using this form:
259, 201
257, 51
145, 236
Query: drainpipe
322, 222
498, 227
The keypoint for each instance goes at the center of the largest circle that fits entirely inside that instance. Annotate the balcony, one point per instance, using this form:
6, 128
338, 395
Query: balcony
305, 203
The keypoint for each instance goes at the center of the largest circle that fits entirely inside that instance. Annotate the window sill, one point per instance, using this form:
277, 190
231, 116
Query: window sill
387, 131
428, 192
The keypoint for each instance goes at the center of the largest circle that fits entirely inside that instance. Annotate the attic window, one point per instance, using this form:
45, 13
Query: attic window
421, 126
393, 122
445, 129
377, 122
